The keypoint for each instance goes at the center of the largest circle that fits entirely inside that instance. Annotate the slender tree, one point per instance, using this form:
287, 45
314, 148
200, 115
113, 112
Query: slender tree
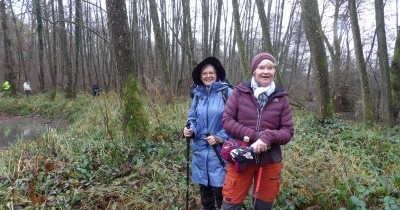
334, 49
9, 61
386, 109
283, 45
205, 17
216, 44
53, 68
18, 28
136, 41
78, 41
134, 122
244, 62
187, 33
395, 76
315, 37
267, 45
39, 30
160, 45
365, 87
66, 67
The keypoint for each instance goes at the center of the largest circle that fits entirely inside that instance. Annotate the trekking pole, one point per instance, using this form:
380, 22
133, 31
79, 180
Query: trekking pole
217, 153
257, 189
187, 166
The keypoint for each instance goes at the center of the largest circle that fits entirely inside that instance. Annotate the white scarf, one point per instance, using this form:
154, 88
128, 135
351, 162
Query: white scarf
262, 93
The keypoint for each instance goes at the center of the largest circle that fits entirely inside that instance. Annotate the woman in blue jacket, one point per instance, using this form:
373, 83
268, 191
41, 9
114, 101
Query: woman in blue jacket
205, 117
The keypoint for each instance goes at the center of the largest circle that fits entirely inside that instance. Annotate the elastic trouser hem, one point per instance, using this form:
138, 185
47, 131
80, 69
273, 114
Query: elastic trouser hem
262, 205
229, 206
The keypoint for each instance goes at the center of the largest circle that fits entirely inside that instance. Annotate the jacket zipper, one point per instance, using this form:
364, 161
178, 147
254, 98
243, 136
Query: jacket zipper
259, 114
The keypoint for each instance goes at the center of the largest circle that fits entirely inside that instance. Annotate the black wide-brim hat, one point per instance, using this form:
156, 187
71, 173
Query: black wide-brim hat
196, 74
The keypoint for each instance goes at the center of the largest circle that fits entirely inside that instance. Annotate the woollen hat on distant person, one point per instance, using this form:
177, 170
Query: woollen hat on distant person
196, 74
258, 58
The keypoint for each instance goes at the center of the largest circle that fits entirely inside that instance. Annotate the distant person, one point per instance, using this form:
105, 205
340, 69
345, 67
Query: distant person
27, 88
6, 86
96, 89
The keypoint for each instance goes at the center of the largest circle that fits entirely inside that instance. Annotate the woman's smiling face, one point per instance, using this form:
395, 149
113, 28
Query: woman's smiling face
264, 74
208, 75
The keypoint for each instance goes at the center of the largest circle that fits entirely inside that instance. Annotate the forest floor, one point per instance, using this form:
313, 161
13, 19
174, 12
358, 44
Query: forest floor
57, 123
13, 126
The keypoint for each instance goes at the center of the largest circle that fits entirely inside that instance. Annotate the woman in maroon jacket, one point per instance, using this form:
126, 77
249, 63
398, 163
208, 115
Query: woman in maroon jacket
258, 109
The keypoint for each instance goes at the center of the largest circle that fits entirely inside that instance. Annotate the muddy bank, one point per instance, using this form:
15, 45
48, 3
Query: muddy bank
13, 128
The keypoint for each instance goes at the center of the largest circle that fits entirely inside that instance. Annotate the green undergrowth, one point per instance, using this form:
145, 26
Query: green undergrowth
41, 104
334, 165
341, 164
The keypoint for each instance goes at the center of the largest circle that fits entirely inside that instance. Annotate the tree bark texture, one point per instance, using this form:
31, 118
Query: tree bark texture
386, 109
267, 46
39, 30
395, 76
9, 61
160, 45
365, 86
314, 34
244, 62
133, 119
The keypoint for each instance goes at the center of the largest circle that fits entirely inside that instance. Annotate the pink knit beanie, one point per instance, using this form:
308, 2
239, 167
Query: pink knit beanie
258, 58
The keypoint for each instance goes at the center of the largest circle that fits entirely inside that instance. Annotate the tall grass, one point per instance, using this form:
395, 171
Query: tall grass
91, 166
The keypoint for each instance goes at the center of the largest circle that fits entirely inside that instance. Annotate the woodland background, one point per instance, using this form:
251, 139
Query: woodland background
68, 46
336, 58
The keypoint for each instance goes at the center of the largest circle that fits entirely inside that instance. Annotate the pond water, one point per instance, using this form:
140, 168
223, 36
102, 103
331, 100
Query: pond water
13, 128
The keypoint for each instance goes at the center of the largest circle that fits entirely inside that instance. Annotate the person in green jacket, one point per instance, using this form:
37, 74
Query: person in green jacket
6, 86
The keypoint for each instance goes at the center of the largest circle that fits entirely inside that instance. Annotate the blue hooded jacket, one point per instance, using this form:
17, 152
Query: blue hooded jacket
205, 116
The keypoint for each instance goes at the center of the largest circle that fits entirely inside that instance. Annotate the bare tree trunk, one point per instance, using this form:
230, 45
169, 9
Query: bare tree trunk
283, 52
386, 108
278, 24
314, 34
395, 76
53, 68
137, 48
133, 125
365, 87
187, 28
107, 58
66, 67
9, 61
205, 18
160, 45
216, 44
149, 45
20, 53
264, 27
39, 29
335, 52
296, 54
78, 41
244, 63
88, 52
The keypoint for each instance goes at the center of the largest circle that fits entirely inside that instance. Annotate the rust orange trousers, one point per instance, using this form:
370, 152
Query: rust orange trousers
237, 185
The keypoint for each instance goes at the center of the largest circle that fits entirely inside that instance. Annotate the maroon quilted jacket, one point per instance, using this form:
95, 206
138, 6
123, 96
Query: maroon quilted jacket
273, 124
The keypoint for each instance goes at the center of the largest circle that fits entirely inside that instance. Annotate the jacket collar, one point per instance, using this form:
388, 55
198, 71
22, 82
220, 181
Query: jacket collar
246, 87
215, 87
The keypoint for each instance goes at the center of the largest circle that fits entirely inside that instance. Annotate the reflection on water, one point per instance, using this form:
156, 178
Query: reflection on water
13, 128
